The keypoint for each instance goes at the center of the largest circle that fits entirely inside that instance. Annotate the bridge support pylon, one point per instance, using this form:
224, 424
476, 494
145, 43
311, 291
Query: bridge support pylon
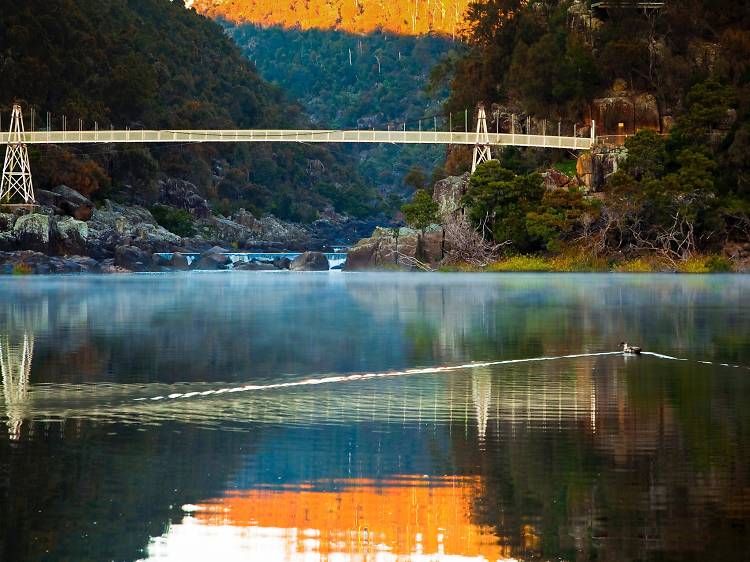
16, 178
482, 151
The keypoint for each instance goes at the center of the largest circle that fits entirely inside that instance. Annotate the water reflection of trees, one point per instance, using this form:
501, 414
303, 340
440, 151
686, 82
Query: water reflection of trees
640, 483
81, 491
222, 328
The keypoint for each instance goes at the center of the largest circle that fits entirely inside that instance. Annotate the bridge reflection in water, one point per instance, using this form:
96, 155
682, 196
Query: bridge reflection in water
15, 364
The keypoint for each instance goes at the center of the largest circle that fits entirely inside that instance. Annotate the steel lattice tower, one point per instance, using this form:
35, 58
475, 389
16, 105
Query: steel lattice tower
16, 169
482, 144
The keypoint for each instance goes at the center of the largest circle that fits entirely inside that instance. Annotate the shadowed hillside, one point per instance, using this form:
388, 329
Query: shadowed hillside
151, 63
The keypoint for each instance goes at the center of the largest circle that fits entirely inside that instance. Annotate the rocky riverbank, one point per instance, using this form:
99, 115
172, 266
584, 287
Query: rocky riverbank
68, 233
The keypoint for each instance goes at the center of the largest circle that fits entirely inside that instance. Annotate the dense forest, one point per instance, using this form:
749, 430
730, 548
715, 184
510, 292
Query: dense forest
152, 63
353, 81
683, 184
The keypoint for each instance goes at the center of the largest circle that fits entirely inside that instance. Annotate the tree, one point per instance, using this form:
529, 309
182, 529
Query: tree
647, 155
707, 105
422, 211
498, 200
416, 178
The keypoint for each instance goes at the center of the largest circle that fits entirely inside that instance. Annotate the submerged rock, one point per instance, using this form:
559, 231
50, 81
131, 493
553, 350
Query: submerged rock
282, 263
310, 261
254, 266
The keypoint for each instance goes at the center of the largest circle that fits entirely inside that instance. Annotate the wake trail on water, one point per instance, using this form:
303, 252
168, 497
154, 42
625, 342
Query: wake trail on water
74, 399
313, 381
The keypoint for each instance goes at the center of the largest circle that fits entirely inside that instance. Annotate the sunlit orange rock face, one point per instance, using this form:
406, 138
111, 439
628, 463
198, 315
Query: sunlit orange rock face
408, 17
405, 517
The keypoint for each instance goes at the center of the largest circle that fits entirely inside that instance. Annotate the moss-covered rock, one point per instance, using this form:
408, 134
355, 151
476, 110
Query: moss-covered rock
32, 232
69, 236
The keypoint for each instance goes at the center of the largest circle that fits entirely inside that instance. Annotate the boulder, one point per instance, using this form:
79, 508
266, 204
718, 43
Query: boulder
212, 260
584, 168
183, 195
390, 248
132, 258
310, 261
66, 201
254, 266
269, 227
282, 263
406, 245
360, 257
179, 262
555, 179
122, 225
430, 249
30, 262
159, 261
32, 232
69, 236
84, 263
447, 193
7, 220
73, 203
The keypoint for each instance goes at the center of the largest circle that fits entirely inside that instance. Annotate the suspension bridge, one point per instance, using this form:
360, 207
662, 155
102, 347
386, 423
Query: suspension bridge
17, 181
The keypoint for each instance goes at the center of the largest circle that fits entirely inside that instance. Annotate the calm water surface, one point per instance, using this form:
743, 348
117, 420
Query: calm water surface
281, 416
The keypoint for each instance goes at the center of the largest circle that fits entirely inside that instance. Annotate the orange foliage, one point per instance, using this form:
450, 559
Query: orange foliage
407, 17
85, 176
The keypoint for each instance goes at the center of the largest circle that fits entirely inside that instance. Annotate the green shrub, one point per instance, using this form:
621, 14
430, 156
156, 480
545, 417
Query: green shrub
718, 264
177, 221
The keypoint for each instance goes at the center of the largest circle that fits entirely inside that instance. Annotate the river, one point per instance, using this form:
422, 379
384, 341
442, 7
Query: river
344, 416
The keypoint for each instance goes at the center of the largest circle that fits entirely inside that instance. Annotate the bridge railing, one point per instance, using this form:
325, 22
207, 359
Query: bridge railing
300, 135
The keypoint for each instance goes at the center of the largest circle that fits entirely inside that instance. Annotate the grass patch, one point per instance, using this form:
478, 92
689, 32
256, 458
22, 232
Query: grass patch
521, 263
638, 265
567, 167
458, 268
572, 261
22, 269
705, 264
578, 262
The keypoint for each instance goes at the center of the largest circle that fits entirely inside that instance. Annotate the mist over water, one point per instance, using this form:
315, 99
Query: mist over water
306, 416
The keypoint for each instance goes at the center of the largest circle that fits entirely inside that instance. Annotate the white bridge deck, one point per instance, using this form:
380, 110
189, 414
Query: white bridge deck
302, 135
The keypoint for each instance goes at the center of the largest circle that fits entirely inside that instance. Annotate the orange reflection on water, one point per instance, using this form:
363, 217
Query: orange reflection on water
407, 517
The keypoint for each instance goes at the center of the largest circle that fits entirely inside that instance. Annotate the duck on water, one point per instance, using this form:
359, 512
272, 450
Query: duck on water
630, 349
